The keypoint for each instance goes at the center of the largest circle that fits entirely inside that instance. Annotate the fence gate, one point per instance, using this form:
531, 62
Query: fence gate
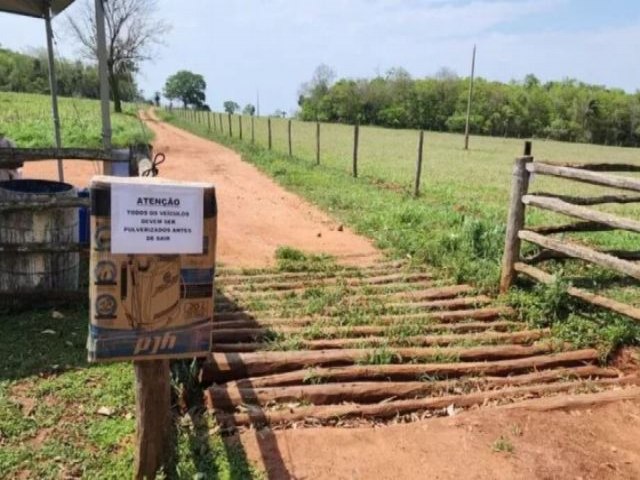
585, 219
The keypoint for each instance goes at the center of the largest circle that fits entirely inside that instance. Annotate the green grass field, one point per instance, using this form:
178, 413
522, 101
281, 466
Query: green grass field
448, 170
26, 119
459, 188
457, 225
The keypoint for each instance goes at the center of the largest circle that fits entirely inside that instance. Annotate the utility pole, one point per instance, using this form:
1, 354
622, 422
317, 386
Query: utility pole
258, 102
466, 127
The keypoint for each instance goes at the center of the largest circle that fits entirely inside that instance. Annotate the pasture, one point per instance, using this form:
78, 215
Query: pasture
26, 119
459, 220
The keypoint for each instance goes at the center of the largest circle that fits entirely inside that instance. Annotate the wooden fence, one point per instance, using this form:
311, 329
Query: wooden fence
214, 124
585, 220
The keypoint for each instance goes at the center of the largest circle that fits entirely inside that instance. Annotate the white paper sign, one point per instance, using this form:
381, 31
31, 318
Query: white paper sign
152, 219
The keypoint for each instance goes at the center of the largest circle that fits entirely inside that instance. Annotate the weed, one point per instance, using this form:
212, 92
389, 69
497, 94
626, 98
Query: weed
292, 260
380, 356
312, 377
503, 444
444, 356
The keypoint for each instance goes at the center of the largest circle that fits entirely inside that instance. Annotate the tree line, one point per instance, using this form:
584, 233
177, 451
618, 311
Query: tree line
29, 73
567, 110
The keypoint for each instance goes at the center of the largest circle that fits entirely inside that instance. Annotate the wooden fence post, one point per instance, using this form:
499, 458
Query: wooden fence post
416, 189
221, 124
208, 122
253, 129
527, 148
240, 127
230, 127
318, 143
289, 135
269, 132
515, 222
154, 436
356, 135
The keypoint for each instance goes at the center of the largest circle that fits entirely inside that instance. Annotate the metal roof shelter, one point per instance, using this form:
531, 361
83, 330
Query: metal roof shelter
46, 9
34, 8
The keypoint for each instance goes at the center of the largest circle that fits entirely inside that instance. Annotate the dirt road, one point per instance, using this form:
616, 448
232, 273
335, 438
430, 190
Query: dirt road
256, 216
587, 443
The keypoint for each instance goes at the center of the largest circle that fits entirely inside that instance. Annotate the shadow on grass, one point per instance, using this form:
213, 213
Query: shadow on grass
41, 341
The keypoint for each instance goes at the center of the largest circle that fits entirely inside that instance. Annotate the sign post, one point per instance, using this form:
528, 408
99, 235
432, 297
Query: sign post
151, 291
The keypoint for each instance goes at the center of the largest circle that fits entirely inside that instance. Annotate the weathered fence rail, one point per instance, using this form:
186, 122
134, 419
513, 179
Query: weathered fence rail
576, 207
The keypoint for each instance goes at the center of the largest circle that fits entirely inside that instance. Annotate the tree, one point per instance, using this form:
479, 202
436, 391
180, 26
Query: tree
131, 30
230, 106
186, 86
312, 93
249, 109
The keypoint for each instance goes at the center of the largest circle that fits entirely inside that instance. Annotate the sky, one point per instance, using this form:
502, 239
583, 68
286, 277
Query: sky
242, 47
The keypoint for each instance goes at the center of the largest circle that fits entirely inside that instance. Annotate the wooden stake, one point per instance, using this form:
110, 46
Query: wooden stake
318, 143
527, 148
515, 222
221, 124
253, 129
154, 439
230, 127
269, 132
209, 122
356, 135
416, 189
240, 127
289, 135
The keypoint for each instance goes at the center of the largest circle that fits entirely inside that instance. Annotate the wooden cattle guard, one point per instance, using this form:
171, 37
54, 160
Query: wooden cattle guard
151, 307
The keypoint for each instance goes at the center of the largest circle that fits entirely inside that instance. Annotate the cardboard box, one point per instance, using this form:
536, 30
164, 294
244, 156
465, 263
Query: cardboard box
158, 305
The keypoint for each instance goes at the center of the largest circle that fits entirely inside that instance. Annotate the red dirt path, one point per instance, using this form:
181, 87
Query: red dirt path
587, 443
256, 215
